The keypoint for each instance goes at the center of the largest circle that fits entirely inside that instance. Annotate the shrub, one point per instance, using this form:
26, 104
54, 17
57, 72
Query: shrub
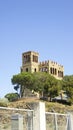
12, 96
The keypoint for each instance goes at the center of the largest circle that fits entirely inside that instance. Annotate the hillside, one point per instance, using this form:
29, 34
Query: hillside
50, 106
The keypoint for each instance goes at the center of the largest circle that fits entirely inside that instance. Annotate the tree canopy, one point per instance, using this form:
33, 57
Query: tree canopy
39, 82
43, 83
23, 80
67, 85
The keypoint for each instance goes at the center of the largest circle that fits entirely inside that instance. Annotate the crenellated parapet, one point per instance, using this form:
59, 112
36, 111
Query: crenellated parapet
53, 63
44, 63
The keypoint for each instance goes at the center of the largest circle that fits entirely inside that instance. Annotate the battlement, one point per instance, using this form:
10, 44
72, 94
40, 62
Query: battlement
44, 63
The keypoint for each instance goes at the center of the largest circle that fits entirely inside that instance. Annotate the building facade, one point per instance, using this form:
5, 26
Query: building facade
30, 63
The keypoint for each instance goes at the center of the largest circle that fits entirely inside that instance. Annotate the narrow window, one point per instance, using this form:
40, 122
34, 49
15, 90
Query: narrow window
51, 70
55, 71
35, 70
26, 69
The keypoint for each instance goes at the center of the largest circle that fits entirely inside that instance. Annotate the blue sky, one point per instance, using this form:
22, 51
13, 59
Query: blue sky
44, 26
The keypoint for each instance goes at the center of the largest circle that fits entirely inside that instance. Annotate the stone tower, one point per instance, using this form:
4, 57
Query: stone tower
30, 62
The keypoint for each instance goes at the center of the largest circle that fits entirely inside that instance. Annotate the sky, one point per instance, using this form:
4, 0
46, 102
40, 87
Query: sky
43, 26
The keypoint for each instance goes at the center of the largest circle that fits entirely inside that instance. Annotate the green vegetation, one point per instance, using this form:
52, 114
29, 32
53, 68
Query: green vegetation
43, 83
12, 96
67, 85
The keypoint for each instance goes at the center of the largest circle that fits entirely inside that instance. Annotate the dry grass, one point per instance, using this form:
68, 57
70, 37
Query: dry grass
50, 106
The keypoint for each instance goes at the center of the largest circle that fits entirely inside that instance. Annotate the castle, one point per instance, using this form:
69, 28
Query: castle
31, 64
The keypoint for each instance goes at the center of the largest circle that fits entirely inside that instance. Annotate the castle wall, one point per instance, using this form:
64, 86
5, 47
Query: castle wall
52, 68
31, 64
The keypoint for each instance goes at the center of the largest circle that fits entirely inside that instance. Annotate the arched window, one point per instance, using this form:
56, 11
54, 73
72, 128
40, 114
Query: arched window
26, 69
51, 70
55, 71
35, 70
